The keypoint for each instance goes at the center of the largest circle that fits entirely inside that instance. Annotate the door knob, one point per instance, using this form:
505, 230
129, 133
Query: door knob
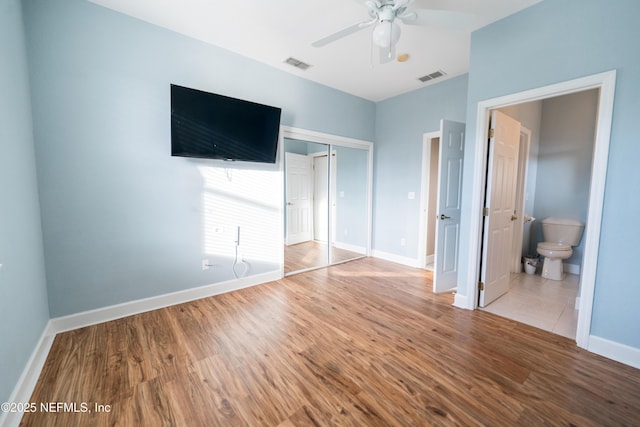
443, 216
513, 217
289, 204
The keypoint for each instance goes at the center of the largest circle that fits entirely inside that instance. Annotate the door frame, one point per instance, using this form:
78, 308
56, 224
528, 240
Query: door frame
606, 83
424, 196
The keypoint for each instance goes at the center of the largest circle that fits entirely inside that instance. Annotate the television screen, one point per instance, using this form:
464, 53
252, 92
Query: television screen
212, 126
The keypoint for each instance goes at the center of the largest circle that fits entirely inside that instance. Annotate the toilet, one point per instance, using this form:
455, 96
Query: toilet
559, 236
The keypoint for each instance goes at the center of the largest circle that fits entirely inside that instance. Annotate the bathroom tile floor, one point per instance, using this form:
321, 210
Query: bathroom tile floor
545, 304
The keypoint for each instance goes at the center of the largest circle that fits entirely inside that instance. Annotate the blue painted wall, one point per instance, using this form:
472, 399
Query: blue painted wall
555, 41
23, 305
122, 219
400, 123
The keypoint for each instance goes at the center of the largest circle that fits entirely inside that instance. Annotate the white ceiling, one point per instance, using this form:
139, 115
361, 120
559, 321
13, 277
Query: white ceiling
270, 31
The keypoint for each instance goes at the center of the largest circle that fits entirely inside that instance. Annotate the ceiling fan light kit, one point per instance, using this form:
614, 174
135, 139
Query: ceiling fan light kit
386, 34
385, 15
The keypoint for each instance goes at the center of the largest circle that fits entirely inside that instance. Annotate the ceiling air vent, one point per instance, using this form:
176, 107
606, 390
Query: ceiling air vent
297, 63
432, 76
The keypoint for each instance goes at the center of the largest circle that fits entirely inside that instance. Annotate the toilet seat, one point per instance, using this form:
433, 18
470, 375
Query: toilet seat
553, 246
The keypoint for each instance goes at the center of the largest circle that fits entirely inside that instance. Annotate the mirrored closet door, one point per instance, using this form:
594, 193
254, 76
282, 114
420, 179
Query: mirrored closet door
327, 200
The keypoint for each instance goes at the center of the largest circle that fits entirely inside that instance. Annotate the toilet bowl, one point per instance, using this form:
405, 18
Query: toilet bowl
554, 254
559, 235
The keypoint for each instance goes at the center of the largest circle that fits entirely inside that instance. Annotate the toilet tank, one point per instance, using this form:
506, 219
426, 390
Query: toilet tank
560, 230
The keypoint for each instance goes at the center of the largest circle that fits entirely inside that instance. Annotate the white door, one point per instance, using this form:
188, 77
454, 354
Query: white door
500, 207
298, 176
321, 198
445, 273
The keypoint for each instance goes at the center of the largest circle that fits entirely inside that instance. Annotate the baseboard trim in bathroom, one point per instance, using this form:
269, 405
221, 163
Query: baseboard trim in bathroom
571, 268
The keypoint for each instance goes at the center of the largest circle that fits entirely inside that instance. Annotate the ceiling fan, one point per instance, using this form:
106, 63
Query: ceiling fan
386, 31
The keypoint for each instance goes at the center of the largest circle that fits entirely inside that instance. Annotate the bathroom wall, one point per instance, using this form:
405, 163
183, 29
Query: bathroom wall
567, 134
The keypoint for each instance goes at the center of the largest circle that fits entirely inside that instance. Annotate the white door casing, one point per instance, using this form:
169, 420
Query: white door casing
500, 205
445, 274
298, 198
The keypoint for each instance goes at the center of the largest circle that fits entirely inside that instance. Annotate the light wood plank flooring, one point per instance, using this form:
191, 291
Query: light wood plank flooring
365, 343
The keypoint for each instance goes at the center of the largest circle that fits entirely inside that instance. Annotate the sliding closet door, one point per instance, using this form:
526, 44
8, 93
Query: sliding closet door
350, 204
306, 177
327, 200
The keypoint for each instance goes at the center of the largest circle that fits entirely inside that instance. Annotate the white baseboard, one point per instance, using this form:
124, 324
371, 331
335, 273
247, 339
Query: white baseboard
571, 268
29, 377
399, 259
461, 301
105, 314
612, 350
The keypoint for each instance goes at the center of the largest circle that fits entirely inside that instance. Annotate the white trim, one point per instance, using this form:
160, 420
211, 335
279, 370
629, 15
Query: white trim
290, 132
29, 377
105, 314
424, 196
461, 301
606, 82
571, 268
613, 350
398, 259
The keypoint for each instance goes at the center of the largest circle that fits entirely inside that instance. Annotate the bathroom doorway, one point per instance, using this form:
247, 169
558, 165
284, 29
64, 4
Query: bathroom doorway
551, 178
604, 86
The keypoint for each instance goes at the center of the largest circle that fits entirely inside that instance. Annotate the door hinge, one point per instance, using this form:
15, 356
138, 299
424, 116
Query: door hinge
481, 286
485, 211
492, 132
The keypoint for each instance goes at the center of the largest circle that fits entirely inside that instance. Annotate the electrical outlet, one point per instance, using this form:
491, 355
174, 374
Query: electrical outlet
205, 264
403, 242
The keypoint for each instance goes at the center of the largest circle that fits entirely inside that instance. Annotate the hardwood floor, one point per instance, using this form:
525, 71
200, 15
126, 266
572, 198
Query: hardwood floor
365, 343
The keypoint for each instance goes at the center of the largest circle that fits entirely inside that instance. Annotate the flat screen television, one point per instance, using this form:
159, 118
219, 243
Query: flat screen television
212, 126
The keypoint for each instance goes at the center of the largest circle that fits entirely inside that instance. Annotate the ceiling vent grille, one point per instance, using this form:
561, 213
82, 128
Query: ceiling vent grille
432, 76
297, 63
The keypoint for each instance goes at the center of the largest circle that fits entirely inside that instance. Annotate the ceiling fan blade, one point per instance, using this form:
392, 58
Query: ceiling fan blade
438, 18
400, 4
370, 4
343, 33
387, 54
